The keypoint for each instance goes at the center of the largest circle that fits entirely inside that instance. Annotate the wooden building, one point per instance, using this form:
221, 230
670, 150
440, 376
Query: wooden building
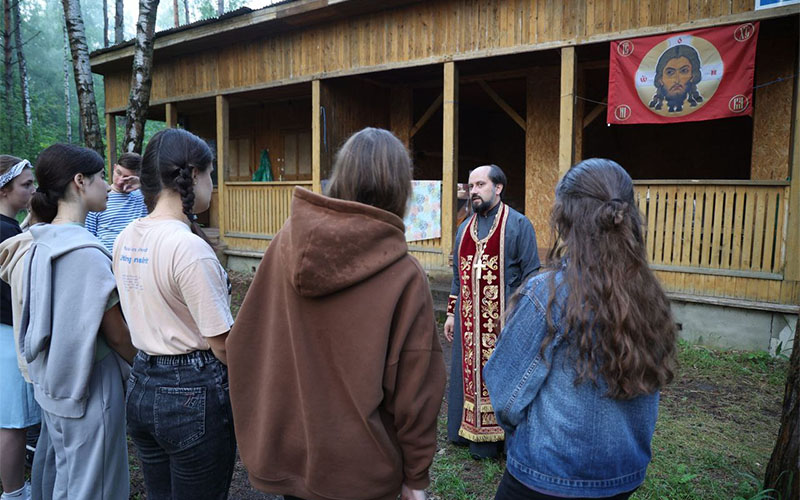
519, 83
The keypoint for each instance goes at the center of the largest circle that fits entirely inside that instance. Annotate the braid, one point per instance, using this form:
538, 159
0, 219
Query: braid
184, 183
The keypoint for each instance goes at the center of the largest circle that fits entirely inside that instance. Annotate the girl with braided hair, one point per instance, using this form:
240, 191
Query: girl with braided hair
575, 377
175, 295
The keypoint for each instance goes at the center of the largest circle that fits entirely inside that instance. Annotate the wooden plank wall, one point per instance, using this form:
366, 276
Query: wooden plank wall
731, 287
418, 33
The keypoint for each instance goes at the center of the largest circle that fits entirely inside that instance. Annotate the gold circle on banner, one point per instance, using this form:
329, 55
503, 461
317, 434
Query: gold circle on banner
688, 94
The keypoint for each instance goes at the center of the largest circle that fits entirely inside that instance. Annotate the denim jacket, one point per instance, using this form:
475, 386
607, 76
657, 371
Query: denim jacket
563, 440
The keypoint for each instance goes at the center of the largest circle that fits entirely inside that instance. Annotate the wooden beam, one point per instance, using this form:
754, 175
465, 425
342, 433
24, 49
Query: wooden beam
223, 136
594, 113
792, 271
401, 113
503, 104
111, 143
427, 115
449, 156
566, 137
172, 114
316, 138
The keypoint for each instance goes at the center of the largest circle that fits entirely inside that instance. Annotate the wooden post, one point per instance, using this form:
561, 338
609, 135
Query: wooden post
316, 138
401, 113
111, 143
172, 115
449, 157
541, 150
222, 159
566, 139
792, 272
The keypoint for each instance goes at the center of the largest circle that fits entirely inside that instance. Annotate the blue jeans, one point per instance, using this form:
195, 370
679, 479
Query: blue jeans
179, 418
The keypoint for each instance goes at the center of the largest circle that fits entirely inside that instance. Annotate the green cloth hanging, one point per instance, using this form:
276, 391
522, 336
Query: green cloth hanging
264, 172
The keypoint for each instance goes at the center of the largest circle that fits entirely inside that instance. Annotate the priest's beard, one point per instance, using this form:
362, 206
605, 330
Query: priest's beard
481, 206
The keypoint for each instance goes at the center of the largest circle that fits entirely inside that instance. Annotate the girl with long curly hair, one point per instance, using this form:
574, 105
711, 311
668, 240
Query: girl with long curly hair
575, 377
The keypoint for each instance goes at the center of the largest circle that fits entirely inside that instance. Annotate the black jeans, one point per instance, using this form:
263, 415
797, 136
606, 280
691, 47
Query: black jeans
511, 489
179, 418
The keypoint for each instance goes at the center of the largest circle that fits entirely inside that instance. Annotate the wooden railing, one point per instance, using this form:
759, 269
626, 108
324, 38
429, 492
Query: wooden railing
734, 228
258, 209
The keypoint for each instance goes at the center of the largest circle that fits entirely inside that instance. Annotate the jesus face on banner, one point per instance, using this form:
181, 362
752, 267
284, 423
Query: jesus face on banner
679, 75
676, 78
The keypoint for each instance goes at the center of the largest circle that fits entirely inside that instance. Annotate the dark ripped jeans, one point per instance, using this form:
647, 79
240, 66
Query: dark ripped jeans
179, 418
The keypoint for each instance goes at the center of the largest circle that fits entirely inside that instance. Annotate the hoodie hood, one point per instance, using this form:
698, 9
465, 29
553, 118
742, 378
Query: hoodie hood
328, 245
12, 254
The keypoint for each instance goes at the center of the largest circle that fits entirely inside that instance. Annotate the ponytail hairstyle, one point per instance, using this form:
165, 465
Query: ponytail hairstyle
167, 163
617, 317
56, 167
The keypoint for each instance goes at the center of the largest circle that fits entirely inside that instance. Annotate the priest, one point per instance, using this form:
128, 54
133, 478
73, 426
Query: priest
495, 253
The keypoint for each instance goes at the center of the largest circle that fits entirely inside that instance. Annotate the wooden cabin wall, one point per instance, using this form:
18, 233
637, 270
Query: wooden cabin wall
350, 104
541, 146
776, 58
420, 33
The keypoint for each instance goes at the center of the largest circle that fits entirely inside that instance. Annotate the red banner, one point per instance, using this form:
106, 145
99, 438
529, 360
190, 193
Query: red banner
680, 77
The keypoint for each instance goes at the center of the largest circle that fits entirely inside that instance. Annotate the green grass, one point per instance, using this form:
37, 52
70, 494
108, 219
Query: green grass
715, 432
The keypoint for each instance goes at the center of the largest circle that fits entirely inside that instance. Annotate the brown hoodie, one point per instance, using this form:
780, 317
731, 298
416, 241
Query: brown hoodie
12, 267
336, 371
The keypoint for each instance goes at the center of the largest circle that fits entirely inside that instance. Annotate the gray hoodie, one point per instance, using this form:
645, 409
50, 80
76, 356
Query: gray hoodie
68, 281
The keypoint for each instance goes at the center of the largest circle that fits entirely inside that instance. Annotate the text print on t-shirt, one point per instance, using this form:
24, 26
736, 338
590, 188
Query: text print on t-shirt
133, 257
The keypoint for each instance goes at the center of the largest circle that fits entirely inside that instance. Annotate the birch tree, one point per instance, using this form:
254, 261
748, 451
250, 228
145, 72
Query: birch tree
23, 70
119, 34
67, 94
90, 124
8, 75
220, 7
141, 80
186, 10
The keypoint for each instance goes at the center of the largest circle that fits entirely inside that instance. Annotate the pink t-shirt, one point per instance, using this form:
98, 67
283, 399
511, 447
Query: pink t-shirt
172, 289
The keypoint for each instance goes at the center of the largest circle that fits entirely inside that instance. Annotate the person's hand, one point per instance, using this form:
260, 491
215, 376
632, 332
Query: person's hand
449, 323
409, 494
131, 183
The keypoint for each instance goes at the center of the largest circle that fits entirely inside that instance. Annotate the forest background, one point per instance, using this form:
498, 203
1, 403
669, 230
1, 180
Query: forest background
53, 103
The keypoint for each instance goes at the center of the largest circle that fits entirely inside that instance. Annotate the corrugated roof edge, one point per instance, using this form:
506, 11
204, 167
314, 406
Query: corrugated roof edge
234, 13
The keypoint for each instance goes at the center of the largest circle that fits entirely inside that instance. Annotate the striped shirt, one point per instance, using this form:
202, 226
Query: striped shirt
121, 210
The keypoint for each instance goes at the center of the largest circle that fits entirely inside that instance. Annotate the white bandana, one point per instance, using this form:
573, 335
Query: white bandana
13, 172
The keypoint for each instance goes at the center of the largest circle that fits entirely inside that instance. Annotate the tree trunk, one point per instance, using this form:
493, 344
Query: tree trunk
67, 94
141, 80
8, 76
105, 23
90, 124
220, 7
176, 13
119, 34
23, 71
186, 10
783, 469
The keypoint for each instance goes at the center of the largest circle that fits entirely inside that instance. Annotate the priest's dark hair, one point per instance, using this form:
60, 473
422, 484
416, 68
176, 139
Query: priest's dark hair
167, 163
617, 316
496, 175
373, 167
56, 167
